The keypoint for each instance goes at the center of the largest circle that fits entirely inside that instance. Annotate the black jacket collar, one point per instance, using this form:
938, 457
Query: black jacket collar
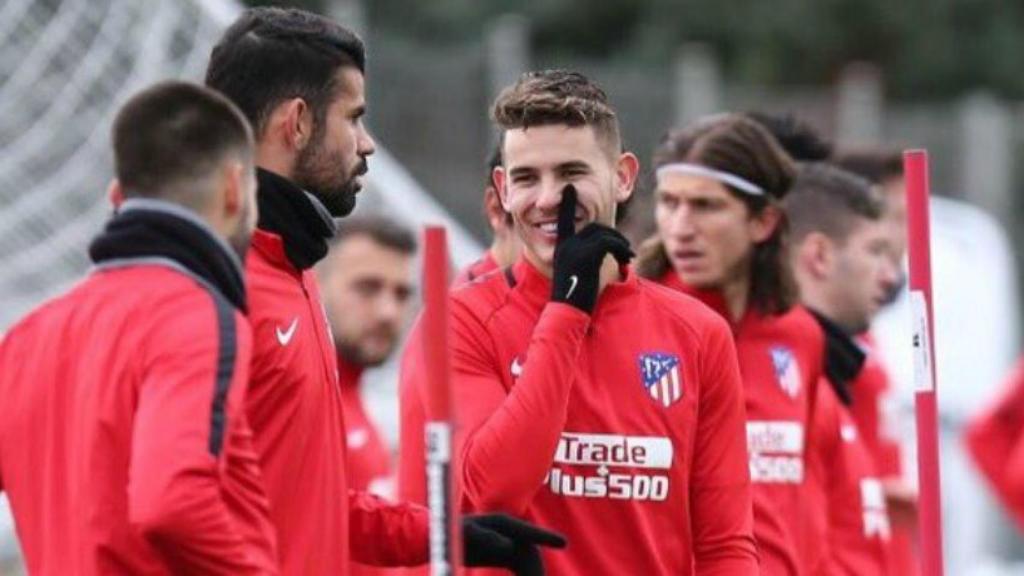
156, 229
296, 216
844, 358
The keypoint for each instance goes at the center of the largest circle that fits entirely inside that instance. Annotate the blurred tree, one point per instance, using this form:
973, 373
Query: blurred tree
927, 49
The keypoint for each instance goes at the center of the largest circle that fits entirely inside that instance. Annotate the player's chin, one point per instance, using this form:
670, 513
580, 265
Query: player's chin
700, 278
543, 252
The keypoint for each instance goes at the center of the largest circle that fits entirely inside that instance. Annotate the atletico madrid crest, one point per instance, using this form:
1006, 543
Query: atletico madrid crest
661, 377
787, 371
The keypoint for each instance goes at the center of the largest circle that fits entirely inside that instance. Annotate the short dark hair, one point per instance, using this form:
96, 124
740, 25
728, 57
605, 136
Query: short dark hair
383, 230
876, 164
270, 55
551, 97
798, 138
828, 199
170, 137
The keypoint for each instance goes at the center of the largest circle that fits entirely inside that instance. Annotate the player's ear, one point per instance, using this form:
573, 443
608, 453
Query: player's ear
626, 170
816, 255
500, 179
764, 223
115, 193
233, 187
292, 121
493, 208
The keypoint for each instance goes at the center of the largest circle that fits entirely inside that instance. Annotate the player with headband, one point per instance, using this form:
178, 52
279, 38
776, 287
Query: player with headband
720, 237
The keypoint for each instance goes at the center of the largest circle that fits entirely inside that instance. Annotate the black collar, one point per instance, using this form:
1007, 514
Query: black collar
296, 216
145, 228
844, 358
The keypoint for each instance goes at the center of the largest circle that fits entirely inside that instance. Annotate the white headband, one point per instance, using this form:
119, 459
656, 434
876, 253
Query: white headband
724, 177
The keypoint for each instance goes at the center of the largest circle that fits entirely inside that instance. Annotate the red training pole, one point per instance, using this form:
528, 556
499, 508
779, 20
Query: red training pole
915, 169
445, 549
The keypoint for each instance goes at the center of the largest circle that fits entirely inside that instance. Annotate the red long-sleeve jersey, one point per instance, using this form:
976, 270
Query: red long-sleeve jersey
124, 447
869, 391
852, 537
623, 430
995, 440
296, 413
781, 358
484, 265
368, 461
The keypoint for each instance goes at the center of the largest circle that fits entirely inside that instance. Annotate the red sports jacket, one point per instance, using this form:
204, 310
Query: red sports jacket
124, 447
484, 265
995, 439
781, 358
623, 430
869, 390
368, 462
852, 538
296, 413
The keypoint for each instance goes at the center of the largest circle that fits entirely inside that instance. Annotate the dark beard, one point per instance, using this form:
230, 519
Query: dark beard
315, 173
339, 202
354, 355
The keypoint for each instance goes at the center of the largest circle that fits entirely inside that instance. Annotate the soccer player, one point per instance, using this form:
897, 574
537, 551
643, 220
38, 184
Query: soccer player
591, 400
995, 441
505, 247
720, 237
124, 446
883, 167
843, 265
298, 77
367, 284
502, 253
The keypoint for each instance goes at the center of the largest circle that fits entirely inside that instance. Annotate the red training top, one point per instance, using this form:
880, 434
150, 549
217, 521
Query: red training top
870, 389
842, 480
781, 358
124, 447
368, 463
995, 439
478, 268
623, 429
296, 413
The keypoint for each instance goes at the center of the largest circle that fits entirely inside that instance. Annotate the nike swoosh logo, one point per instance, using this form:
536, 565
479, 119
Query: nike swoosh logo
573, 280
517, 368
285, 337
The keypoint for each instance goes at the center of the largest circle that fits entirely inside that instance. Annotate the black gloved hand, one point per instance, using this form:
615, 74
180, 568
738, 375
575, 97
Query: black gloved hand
578, 257
501, 541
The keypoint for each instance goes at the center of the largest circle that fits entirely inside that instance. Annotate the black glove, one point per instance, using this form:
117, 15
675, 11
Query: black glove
578, 257
501, 541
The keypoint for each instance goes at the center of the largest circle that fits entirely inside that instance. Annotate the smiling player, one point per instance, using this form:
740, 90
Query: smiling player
590, 400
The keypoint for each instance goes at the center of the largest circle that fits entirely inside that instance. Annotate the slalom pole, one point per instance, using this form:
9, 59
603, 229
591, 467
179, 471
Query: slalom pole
445, 549
915, 169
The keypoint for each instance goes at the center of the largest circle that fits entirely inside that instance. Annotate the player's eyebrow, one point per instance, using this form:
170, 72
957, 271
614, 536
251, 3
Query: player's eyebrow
521, 171
573, 166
